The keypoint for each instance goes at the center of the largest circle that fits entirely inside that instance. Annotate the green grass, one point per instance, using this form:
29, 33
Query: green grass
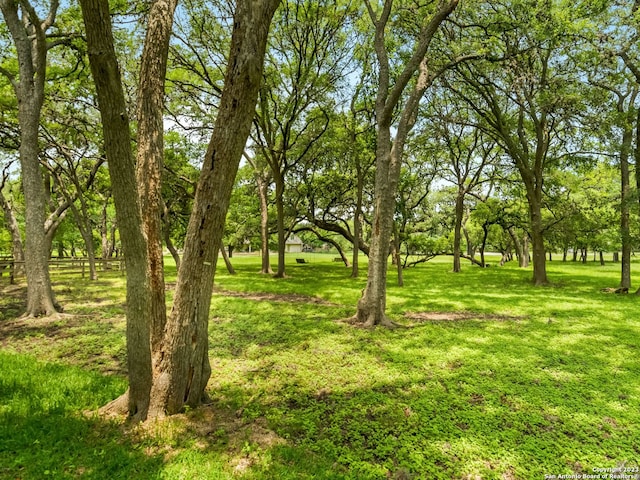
532, 381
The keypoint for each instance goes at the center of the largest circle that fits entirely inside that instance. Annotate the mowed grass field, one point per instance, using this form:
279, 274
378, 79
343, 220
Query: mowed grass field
491, 379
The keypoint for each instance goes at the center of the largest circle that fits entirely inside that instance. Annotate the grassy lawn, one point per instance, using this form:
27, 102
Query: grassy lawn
491, 379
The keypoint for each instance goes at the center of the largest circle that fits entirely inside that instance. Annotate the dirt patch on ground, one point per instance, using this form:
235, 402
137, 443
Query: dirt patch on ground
274, 297
458, 316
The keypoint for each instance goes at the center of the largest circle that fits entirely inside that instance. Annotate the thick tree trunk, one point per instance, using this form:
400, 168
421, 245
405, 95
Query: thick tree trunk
457, 230
537, 243
117, 138
263, 187
184, 369
372, 305
29, 36
150, 156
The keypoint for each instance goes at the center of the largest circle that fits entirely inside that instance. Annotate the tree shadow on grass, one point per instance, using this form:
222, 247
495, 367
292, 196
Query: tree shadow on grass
44, 435
499, 400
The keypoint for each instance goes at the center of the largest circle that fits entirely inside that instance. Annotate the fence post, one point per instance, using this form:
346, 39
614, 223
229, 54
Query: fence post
12, 267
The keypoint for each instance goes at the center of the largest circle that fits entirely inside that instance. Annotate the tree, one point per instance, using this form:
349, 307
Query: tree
372, 304
29, 35
117, 139
184, 369
304, 64
525, 95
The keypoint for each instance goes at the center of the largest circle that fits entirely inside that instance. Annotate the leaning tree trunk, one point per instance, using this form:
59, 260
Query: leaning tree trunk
117, 138
29, 36
227, 261
184, 369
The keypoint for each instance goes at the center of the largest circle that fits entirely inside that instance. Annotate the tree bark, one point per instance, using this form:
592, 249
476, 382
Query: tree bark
625, 201
282, 238
227, 261
457, 232
29, 36
117, 138
150, 156
372, 305
184, 368
263, 187
357, 220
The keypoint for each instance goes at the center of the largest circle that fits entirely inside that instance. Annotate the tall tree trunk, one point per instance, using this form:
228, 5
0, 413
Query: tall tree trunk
483, 244
106, 246
457, 231
357, 220
372, 305
117, 138
150, 156
282, 238
184, 370
263, 187
396, 254
29, 36
524, 263
636, 155
537, 239
625, 201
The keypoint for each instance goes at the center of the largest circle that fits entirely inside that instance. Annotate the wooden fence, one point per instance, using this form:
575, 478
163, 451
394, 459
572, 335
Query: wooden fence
74, 266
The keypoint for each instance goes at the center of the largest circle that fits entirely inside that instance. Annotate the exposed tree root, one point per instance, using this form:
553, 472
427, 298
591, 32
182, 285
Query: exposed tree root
116, 408
371, 323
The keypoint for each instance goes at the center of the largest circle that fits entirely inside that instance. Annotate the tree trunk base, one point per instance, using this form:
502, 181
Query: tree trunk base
116, 408
371, 323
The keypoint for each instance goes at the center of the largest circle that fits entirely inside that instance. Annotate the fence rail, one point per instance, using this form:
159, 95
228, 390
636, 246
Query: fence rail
15, 268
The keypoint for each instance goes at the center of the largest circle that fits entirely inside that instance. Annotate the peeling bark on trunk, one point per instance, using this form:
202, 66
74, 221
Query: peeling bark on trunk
184, 368
150, 155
